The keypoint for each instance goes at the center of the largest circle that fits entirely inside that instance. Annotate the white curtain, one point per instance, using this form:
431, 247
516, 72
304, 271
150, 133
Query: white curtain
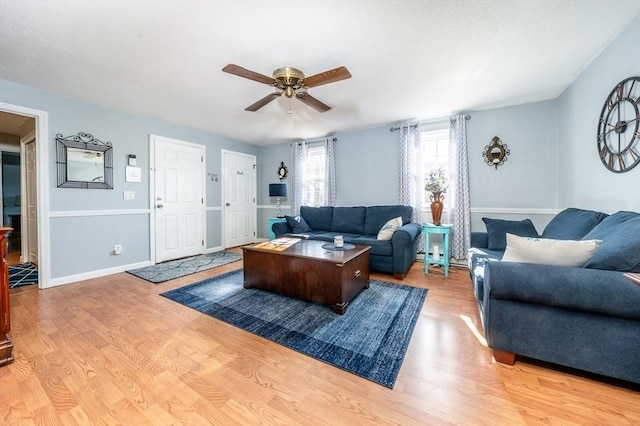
298, 155
460, 210
329, 173
411, 175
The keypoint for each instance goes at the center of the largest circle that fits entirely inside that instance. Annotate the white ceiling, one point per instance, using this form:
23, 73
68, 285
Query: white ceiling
409, 59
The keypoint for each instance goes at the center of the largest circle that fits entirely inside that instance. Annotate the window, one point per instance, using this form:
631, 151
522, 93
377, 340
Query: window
435, 155
314, 176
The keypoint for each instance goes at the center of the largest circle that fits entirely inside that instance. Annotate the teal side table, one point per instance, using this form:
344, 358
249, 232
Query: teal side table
445, 230
270, 222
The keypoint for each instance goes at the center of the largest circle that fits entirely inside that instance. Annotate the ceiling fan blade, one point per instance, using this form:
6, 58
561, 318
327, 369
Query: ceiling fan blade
251, 75
312, 102
331, 76
262, 102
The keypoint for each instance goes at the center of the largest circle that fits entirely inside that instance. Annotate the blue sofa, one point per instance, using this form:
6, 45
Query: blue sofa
360, 225
587, 317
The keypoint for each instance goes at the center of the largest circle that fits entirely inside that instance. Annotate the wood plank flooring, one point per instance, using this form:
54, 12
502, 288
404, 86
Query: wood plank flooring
112, 351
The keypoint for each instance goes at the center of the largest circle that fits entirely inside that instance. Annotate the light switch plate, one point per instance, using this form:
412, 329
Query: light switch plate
129, 195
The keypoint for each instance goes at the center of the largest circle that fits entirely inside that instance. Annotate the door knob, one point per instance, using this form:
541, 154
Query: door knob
227, 204
159, 206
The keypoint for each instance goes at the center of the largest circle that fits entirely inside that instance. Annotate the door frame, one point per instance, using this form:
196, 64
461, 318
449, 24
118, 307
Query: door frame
223, 194
152, 190
42, 190
24, 240
6, 148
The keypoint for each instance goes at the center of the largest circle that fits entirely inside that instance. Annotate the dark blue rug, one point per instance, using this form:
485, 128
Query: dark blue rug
23, 274
369, 340
181, 267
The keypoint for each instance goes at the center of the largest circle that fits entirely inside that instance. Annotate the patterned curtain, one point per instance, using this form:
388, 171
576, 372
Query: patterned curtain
297, 157
411, 178
460, 210
329, 173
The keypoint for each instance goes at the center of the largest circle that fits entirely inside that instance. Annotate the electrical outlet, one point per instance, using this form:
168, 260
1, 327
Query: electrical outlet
129, 195
117, 249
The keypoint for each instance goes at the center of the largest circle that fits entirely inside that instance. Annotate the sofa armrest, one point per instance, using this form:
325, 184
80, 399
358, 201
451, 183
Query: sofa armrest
480, 239
578, 289
280, 228
403, 245
405, 234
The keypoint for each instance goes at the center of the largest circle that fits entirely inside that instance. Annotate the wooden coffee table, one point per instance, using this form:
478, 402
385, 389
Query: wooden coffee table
305, 270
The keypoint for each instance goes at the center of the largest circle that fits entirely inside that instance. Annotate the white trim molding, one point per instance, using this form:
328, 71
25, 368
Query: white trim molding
88, 213
499, 210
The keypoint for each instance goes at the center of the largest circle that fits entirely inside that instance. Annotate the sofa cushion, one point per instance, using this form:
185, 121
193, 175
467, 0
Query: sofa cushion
348, 219
378, 247
546, 251
298, 224
572, 224
620, 248
377, 216
497, 230
318, 218
389, 228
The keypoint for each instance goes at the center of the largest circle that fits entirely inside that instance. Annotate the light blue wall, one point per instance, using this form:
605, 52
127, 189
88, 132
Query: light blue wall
583, 180
367, 167
367, 161
528, 179
82, 244
269, 159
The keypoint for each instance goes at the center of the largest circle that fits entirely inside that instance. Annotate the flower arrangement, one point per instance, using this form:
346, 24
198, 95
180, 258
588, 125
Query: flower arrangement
437, 181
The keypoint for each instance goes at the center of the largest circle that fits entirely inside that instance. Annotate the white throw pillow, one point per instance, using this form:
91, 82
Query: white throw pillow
389, 228
549, 252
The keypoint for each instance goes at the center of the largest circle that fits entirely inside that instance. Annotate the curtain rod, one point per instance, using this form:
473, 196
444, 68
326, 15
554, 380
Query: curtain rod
334, 139
393, 129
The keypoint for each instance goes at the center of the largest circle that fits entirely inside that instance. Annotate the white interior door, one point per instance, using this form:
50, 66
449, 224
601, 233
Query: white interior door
179, 199
30, 191
239, 198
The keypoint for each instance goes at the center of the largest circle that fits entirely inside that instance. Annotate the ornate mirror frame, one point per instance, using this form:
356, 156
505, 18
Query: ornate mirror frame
495, 154
84, 162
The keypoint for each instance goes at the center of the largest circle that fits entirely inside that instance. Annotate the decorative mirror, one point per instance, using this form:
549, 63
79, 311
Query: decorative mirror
495, 154
84, 162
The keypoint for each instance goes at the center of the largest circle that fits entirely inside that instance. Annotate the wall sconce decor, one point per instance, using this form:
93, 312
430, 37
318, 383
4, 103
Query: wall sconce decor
282, 171
495, 154
278, 190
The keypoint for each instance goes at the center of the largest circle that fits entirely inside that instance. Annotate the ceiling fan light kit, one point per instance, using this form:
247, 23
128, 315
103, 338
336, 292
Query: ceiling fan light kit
290, 82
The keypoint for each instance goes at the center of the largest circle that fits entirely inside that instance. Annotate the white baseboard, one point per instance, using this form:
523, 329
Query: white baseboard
54, 282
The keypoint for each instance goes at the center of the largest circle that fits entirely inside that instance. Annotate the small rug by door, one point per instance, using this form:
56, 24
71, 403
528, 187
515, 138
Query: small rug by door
23, 274
369, 340
179, 268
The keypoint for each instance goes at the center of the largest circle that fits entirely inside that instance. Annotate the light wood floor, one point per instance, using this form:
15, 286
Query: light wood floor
112, 351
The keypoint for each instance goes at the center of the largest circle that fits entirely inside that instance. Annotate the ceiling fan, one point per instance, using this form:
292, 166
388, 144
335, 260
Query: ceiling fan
290, 82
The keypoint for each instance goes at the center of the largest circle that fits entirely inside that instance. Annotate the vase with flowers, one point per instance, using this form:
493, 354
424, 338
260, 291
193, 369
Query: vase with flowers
437, 183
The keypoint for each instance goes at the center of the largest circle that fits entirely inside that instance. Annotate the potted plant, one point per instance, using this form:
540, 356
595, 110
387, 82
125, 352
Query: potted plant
437, 183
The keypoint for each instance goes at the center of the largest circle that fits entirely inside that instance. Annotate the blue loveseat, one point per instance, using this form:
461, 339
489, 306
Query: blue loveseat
361, 225
585, 317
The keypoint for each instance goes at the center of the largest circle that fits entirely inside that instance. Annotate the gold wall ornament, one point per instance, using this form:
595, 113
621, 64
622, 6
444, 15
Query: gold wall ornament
495, 154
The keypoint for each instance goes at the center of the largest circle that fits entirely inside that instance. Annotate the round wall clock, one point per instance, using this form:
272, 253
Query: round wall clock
618, 128
282, 171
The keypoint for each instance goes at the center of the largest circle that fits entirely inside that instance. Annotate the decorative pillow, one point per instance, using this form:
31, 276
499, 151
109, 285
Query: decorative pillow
389, 228
545, 251
620, 249
298, 224
572, 224
497, 230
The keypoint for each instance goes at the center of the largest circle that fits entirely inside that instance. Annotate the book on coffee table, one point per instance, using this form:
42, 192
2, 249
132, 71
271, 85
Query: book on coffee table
635, 278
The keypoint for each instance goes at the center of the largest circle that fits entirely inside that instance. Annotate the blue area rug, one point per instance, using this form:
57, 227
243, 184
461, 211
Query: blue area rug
23, 274
179, 268
369, 340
